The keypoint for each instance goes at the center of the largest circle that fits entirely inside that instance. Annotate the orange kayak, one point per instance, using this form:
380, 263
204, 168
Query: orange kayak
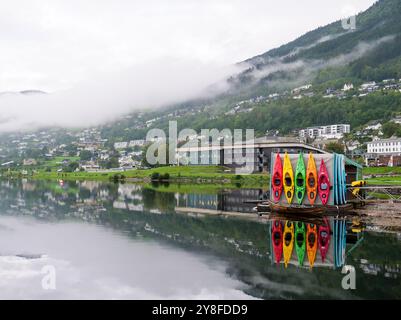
311, 180
311, 243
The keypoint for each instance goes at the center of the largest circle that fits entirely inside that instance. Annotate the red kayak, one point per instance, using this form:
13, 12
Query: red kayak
277, 239
277, 179
323, 183
324, 238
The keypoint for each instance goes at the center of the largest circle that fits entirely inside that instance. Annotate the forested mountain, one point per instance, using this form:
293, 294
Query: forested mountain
371, 51
327, 58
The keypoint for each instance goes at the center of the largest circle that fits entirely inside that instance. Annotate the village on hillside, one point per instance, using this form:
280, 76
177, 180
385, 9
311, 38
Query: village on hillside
89, 150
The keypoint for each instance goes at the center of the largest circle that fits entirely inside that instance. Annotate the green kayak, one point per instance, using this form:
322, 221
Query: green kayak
300, 179
300, 241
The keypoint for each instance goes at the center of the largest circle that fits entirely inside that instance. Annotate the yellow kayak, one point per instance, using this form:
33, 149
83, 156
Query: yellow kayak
288, 241
288, 179
311, 243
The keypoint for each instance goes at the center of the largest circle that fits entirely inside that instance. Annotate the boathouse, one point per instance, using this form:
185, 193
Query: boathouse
257, 153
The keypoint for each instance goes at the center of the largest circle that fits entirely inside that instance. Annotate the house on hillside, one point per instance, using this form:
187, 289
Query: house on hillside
373, 125
29, 162
396, 120
348, 87
120, 145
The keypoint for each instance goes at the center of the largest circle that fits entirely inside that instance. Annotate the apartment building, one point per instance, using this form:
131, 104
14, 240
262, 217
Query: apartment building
335, 131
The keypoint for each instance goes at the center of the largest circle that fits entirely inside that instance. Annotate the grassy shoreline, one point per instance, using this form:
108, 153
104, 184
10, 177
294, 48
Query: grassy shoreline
195, 175
382, 171
187, 175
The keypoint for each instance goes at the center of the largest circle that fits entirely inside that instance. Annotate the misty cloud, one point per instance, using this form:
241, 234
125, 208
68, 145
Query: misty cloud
109, 96
306, 68
87, 53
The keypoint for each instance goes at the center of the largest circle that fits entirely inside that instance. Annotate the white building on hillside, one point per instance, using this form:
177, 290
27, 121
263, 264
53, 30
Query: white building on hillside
302, 88
396, 120
367, 86
130, 144
374, 125
138, 143
120, 145
335, 131
348, 86
390, 146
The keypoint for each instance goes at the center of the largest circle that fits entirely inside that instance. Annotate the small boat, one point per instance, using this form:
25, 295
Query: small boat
324, 238
277, 240
323, 183
300, 241
311, 180
300, 184
288, 241
277, 179
311, 243
288, 179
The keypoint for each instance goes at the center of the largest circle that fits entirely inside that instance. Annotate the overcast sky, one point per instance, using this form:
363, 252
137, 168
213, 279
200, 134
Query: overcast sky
55, 45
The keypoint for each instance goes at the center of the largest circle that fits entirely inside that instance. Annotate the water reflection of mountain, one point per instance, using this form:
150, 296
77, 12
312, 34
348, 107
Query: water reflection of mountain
244, 244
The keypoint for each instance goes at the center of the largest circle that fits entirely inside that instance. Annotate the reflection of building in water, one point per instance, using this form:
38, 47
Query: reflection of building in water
200, 201
236, 201
124, 205
375, 269
129, 198
130, 191
231, 201
135, 207
28, 185
118, 204
92, 186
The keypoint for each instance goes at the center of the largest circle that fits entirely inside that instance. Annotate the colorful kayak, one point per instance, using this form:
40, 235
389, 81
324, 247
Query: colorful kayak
277, 239
324, 238
311, 243
300, 183
311, 180
277, 179
300, 241
323, 183
288, 179
288, 241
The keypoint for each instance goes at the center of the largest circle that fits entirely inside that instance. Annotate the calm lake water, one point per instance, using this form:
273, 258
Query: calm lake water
126, 241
